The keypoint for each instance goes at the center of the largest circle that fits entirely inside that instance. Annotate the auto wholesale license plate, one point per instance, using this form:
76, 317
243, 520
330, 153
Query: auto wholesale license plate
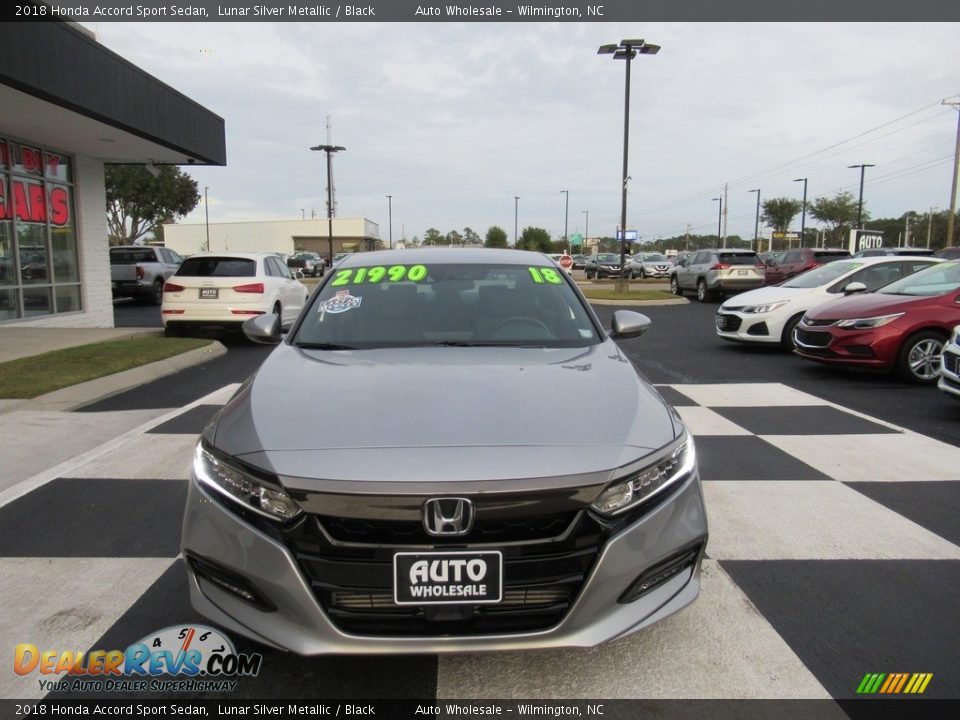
209, 293
721, 322
448, 578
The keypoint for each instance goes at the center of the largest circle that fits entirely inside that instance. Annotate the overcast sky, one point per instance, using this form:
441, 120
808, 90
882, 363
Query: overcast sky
454, 120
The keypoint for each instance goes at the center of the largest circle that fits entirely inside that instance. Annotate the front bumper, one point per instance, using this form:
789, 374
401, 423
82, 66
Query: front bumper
873, 348
748, 327
949, 380
294, 618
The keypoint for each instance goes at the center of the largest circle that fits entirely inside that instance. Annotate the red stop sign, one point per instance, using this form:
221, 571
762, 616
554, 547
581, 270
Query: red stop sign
566, 262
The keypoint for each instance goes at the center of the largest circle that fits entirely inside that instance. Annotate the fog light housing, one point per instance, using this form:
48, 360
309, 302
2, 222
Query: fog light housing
653, 577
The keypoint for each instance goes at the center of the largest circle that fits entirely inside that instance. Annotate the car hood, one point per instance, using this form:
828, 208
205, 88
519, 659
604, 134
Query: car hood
442, 414
866, 305
763, 295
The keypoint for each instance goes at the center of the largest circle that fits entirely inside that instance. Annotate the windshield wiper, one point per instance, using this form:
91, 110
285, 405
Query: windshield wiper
324, 346
486, 343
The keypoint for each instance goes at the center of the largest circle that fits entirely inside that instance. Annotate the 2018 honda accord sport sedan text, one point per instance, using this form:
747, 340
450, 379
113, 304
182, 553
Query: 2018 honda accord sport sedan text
446, 488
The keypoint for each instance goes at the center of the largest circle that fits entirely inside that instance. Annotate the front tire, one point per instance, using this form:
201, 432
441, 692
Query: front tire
156, 296
675, 286
786, 338
919, 358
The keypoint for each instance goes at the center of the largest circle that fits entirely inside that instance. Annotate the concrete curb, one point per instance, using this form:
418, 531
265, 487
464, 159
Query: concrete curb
70, 398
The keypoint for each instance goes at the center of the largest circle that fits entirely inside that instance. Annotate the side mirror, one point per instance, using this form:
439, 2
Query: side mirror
628, 324
263, 329
854, 287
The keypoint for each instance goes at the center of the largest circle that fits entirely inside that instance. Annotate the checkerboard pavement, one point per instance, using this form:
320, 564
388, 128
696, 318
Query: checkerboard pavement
834, 551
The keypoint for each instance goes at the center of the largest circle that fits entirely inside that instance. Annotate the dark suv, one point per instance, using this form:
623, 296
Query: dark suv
794, 262
715, 273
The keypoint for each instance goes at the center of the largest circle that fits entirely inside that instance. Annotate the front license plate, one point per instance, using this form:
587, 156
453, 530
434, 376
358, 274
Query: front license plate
210, 293
721, 322
448, 578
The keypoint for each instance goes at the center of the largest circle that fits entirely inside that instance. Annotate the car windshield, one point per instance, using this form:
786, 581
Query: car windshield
823, 275
446, 304
937, 280
608, 257
218, 267
654, 257
131, 256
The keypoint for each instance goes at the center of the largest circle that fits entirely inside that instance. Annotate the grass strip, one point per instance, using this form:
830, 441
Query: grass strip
594, 293
36, 375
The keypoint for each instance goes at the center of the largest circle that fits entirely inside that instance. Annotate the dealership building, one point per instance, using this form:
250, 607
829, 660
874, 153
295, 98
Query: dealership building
68, 106
280, 236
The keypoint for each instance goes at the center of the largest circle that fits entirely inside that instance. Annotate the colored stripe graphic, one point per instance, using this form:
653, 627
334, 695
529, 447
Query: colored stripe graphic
894, 683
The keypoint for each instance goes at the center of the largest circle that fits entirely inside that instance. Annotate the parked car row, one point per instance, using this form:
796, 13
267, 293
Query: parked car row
893, 313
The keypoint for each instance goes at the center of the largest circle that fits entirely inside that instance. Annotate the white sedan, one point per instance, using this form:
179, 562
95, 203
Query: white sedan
768, 315
224, 289
950, 365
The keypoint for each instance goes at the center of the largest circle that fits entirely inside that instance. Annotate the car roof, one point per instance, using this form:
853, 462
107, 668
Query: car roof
231, 254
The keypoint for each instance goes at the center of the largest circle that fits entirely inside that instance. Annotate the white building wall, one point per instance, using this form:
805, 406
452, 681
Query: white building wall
90, 202
261, 236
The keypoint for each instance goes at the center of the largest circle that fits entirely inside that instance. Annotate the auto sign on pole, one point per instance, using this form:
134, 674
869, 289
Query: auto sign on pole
865, 239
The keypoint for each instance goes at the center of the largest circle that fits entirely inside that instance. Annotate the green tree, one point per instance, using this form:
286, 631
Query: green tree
470, 237
780, 212
138, 203
534, 238
454, 238
839, 213
496, 237
433, 237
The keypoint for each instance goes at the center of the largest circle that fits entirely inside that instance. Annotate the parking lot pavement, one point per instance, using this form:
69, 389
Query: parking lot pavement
818, 572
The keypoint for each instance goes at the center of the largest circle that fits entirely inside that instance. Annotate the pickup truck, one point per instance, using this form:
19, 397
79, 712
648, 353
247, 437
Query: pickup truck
310, 263
141, 271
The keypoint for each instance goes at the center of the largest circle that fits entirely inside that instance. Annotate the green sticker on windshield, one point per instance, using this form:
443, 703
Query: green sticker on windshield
379, 274
542, 275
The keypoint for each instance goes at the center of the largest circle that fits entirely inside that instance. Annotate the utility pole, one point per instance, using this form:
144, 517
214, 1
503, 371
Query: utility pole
956, 169
906, 231
929, 224
688, 237
726, 212
331, 190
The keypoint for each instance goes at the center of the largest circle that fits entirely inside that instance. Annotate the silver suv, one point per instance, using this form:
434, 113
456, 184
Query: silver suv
649, 264
715, 273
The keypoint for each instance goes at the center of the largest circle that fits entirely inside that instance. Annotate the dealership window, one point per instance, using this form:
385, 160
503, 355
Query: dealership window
39, 255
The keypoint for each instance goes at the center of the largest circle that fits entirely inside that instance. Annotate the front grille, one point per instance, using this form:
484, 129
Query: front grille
353, 581
950, 363
817, 323
812, 338
728, 323
411, 532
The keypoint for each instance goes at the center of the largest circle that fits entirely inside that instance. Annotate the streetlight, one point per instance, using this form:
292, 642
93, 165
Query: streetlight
860, 202
756, 222
626, 50
566, 216
329, 150
516, 204
803, 214
719, 217
586, 233
390, 211
206, 210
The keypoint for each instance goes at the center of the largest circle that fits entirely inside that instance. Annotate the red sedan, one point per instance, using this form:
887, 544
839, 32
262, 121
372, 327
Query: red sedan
901, 327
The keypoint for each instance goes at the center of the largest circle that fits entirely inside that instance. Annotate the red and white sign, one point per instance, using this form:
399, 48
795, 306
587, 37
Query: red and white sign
29, 203
566, 262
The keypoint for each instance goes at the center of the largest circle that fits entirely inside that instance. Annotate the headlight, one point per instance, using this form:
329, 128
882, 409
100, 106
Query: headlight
242, 487
768, 307
867, 323
650, 481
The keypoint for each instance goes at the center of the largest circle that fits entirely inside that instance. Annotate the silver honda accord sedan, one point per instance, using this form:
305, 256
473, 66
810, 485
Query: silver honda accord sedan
446, 452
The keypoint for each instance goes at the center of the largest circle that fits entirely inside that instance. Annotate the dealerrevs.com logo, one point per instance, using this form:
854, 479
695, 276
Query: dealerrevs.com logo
183, 658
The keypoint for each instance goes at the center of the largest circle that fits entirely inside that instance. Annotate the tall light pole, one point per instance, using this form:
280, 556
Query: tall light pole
756, 222
586, 233
516, 205
860, 202
803, 213
953, 185
329, 150
206, 210
626, 50
566, 217
390, 214
719, 217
